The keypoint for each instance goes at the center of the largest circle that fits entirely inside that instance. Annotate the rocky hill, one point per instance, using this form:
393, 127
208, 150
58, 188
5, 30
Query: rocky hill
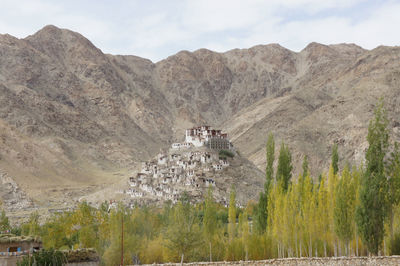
188, 170
74, 120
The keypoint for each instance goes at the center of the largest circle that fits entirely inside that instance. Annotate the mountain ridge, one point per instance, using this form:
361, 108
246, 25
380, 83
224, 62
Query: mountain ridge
75, 119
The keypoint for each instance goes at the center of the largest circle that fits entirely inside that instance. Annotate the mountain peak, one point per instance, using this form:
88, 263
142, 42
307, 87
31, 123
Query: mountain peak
50, 31
51, 28
314, 46
57, 42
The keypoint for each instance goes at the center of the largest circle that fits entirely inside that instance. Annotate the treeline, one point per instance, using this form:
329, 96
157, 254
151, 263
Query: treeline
181, 232
349, 211
352, 212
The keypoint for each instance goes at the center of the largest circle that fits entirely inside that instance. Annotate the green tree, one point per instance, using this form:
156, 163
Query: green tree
4, 223
393, 172
284, 170
209, 220
331, 188
344, 209
371, 211
183, 234
262, 213
53, 232
335, 159
232, 215
305, 166
308, 210
87, 236
34, 227
244, 232
270, 156
123, 238
323, 214
262, 207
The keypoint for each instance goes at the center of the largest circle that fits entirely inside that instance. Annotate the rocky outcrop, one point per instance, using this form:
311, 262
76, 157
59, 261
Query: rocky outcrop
13, 198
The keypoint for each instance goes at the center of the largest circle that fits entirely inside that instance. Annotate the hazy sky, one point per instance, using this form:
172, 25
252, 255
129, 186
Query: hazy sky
155, 29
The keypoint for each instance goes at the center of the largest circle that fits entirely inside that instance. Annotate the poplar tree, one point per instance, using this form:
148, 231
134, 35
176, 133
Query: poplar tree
393, 172
284, 170
34, 227
332, 182
244, 232
371, 211
262, 207
276, 218
230, 248
356, 176
232, 215
183, 234
210, 220
269, 171
344, 208
291, 212
323, 214
335, 159
308, 210
305, 166
4, 223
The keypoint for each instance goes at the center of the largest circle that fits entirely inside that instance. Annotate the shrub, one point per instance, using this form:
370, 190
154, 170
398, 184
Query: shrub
223, 154
44, 257
395, 249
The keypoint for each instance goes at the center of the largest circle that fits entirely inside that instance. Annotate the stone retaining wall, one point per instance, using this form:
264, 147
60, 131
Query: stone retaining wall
90, 263
334, 261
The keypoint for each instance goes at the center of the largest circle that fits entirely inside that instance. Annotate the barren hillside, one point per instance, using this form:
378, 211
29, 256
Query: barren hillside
74, 120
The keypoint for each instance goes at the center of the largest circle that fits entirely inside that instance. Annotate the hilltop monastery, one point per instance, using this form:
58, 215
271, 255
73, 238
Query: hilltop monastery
204, 136
187, 166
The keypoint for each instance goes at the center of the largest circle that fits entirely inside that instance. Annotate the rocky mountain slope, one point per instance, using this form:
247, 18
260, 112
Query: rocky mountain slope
332, 102
74, 120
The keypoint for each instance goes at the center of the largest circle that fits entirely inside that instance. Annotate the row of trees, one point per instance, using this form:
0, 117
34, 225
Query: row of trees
180, 232
332, 216
354, 211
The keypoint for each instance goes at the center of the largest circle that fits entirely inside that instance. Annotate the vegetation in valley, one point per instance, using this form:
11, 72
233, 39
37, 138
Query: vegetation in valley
353, 210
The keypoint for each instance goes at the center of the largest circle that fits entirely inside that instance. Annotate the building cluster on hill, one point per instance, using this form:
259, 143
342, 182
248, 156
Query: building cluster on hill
180, 169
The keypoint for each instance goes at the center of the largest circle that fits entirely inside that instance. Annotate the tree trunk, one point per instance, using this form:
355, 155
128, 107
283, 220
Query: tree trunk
182, 259
290, 252
356, 244
283, 250
334, 249
300, 250
391, 227
349, 248
279, 251
384, 246
210, 253
325, 249
391, 222
310, 247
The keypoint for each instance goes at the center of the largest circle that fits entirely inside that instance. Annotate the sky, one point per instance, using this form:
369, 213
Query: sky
156, 29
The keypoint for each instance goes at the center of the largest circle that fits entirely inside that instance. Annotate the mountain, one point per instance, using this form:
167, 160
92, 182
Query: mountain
330, 100
74, 120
